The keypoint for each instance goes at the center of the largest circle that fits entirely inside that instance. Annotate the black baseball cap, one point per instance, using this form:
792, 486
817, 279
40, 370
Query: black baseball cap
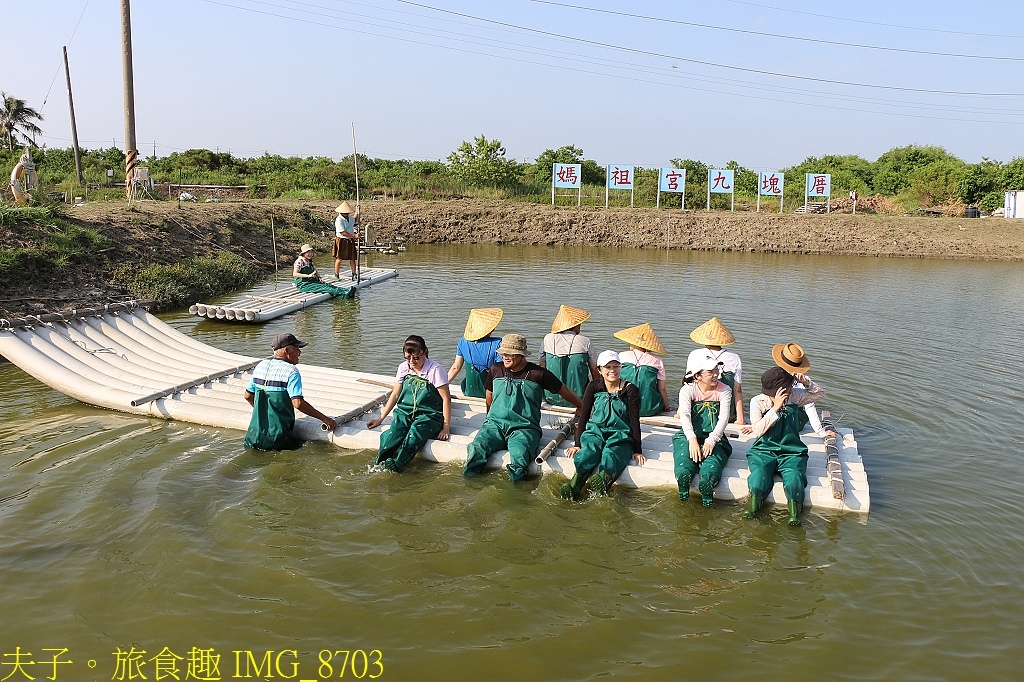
284, 340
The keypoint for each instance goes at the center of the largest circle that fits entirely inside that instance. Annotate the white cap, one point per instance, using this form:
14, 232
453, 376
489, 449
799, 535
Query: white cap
701, 363
607, 356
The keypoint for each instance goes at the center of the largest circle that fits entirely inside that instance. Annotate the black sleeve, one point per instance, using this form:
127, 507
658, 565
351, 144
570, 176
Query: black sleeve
632, 396
549, 382
588, 406
489, 376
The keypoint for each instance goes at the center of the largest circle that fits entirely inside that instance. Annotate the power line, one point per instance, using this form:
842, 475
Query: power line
714, 64
61, 64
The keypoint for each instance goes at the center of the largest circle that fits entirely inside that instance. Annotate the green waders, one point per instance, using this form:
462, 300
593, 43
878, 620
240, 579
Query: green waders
605, 446
729, 379
513, 422
318, 286
573, 370
704, 417
418, 416
473, 383
273, 418
646, 379
779, 450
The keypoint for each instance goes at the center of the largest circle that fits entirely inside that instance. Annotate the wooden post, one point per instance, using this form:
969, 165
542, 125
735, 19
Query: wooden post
131, 152
74, 128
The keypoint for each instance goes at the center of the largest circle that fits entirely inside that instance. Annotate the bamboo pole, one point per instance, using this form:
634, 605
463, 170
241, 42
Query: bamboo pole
355, 162
562, 434
357, 412
74, 127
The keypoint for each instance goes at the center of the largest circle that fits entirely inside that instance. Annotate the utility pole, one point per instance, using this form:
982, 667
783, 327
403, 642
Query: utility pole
74, 128
131, 152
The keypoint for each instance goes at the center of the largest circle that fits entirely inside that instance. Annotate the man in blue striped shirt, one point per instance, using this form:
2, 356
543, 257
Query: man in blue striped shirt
275, 392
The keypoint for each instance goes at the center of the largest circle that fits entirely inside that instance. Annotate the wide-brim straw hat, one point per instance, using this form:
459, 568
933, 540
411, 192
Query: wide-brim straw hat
791, 357
713, 333
568, 317
482, 321
642, 336
344, 208
306, 247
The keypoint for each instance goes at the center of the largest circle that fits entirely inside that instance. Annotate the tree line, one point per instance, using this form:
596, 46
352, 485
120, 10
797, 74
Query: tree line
913, 176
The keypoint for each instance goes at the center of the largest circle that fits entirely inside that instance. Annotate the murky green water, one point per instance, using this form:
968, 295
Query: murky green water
118, 531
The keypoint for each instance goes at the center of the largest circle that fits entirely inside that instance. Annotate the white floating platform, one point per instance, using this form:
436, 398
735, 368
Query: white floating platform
265, 302
130, 361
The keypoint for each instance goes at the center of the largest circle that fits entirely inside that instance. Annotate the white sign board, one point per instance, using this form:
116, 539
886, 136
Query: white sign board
568, 175
770, 184
720, 181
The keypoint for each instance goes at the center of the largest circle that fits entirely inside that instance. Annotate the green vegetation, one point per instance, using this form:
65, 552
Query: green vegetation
39, 243
909, 177
194, 279
17, 121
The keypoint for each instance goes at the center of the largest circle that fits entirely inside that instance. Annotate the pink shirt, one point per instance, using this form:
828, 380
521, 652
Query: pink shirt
432, 372
644, 358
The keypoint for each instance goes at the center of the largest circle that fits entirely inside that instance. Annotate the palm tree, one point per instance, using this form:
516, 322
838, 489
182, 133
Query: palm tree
16, 118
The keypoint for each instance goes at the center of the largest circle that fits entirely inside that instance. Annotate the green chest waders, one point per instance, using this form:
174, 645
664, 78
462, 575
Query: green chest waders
780, 449
573, 370
729, 379
605, 446
273, 418
645, 378
317, 286
704, 418
473, 383
418, 416
513, 422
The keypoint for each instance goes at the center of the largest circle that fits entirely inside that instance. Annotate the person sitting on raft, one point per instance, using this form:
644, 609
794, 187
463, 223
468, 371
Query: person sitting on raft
307, 279
608, 431
515, 389
275, 392
701, 445
477, 350
713, 335
568, 354
776, 418
641, 367
422, 404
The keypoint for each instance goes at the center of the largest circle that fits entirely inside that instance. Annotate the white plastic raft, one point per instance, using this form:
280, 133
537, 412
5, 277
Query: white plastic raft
265, 302
122, 358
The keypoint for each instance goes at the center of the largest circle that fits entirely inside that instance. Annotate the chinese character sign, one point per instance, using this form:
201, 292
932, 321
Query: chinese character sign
720, 181
567, 175
620, 177
819, 185
770, 184
672, 180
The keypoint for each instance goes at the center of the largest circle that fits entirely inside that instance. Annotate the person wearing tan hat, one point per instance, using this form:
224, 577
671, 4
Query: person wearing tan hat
776, 418
640, 366
477, 350
568, 354
515, 389
607, 433
307, 279
275, 392
713, 335
701, 447
345, 234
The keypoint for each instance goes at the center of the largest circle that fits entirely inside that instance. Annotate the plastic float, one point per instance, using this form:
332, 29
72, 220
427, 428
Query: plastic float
265, 302
23, 179
122, 358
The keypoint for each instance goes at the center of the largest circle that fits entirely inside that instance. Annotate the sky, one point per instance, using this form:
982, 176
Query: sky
764, 82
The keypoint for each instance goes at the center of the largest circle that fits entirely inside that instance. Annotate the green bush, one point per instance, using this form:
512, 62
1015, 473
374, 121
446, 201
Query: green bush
191, 280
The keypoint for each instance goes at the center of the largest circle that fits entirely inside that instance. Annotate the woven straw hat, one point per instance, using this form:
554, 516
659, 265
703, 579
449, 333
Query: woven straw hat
344, 208
713, 333
642, 336
482, 321
791, 357
568, 317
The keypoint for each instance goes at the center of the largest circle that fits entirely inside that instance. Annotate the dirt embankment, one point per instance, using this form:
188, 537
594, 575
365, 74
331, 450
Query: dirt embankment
163, 232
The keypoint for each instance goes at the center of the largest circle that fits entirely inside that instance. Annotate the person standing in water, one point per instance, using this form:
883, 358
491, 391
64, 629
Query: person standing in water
477, 350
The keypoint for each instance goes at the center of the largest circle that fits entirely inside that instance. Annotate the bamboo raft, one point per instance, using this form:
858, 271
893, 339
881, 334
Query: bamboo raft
122, 358
265, 302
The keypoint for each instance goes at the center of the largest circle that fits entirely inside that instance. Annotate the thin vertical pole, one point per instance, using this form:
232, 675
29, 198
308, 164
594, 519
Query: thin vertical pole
632, 190
782, 195
74, 128
131, 152
552, 185
806, 175
709, 189
355, 162
606, 171
579, 191
273, 238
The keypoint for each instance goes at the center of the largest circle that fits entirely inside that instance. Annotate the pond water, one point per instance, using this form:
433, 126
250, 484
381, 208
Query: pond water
121, 532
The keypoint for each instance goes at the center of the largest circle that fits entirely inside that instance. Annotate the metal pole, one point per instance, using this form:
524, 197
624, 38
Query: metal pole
760, 179
782, 195
273, 238
806, 175
606, 170
131, 152
709, 189
552, 184
74, 128
355, 162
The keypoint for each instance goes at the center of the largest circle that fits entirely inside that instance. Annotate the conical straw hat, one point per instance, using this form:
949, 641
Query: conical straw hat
482, 321
712, 333
642, 336
568, 317
344, 208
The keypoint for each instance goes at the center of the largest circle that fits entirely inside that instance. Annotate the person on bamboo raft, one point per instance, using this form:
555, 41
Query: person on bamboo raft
608, 431
776, 418
307, 279
422, 405
568, 354
640, 366
275, 392
713, 335
514, 391
477, 350
345, 236
701, 447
